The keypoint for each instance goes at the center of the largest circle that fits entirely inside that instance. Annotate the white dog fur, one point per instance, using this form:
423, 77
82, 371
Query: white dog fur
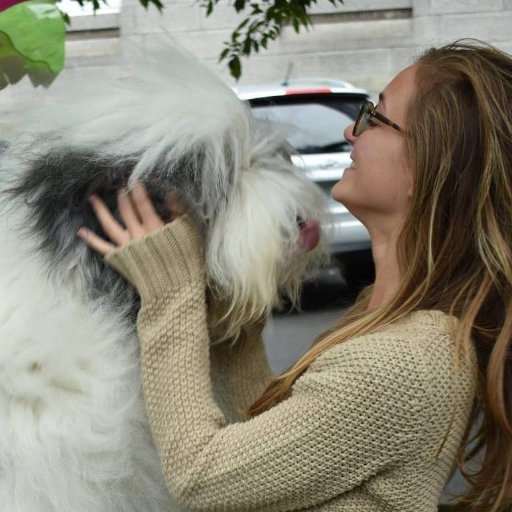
74, 436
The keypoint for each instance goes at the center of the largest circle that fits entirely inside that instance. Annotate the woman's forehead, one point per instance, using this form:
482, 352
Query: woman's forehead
398, 93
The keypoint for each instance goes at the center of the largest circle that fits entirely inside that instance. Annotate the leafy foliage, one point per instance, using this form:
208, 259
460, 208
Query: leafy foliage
263, 24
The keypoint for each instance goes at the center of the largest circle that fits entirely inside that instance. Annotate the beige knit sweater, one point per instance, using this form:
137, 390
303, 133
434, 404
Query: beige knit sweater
362, 431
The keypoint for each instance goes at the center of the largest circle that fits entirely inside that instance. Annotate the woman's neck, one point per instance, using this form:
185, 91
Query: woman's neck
387, 272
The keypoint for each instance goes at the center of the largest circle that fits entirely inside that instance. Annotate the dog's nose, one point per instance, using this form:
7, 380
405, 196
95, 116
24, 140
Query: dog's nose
309, 235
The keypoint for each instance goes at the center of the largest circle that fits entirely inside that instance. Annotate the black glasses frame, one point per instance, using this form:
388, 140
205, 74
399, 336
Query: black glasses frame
368, 111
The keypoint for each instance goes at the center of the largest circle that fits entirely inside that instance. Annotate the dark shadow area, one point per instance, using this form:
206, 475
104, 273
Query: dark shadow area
326, 290
329, 289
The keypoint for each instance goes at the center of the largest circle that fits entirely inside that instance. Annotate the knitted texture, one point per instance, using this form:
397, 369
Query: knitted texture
141, 262
373, 425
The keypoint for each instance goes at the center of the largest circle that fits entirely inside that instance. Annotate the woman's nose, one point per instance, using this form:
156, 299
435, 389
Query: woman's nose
347, 132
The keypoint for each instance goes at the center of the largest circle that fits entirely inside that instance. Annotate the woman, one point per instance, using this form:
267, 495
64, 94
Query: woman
374, 416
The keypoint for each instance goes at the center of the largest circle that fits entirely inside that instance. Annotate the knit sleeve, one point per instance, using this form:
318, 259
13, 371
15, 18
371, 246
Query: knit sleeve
239, 368
240, 372
354, 413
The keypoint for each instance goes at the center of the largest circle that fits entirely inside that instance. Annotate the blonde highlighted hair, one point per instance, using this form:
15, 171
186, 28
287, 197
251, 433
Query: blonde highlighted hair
455, 250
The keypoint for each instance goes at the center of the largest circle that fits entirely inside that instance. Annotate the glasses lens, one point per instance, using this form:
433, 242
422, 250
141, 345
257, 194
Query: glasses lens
362, 120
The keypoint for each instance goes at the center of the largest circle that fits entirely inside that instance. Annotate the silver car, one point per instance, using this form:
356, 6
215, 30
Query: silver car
316, 111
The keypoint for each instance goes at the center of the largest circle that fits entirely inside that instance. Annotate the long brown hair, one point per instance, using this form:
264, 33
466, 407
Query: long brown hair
455, 250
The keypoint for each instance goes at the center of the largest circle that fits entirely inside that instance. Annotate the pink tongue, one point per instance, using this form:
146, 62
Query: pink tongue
309, 235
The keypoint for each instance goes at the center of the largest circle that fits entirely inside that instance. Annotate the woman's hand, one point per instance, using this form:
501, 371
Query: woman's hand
138, 214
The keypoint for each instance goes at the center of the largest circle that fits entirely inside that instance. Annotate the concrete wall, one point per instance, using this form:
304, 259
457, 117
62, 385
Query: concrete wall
364, 41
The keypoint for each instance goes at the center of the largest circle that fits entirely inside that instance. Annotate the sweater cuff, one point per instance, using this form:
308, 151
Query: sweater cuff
162, 260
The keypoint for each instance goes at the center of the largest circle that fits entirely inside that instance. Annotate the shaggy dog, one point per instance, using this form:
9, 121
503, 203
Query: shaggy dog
74, 436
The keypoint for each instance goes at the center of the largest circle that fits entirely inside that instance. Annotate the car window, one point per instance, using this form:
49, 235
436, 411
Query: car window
313, 124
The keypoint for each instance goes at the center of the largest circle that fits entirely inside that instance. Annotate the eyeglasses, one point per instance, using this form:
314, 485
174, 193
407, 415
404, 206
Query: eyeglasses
364, 119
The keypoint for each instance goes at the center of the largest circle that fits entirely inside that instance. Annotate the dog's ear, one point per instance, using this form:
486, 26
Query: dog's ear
53, 189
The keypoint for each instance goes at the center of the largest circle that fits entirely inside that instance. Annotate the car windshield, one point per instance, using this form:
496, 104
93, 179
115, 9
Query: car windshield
314, 123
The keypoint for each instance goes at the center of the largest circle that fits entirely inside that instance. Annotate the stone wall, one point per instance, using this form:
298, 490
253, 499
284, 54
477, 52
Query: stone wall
364, 41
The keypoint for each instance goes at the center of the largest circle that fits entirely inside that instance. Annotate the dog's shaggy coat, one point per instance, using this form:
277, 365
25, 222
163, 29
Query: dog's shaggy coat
74, 436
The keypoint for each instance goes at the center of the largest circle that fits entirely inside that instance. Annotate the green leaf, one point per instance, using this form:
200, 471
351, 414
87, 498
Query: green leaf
246, 49
256, 9
37, 32
273, 33
158, 4
65, 17
239, 5
224, 54
270, 13
32, 35
243, 24
235, 67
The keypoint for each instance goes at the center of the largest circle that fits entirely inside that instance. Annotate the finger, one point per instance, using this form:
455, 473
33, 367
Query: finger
95, 242
176, 207
129, 216
112, 228
145, 208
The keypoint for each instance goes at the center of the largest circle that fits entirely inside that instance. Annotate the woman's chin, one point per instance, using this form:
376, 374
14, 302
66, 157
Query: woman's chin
339, 191
344, 193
